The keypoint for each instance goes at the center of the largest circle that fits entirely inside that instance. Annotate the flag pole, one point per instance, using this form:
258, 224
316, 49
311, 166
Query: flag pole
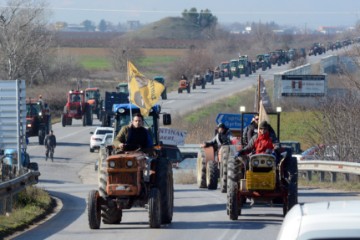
128, 80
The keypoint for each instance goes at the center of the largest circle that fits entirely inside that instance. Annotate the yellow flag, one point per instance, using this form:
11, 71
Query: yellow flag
144, 93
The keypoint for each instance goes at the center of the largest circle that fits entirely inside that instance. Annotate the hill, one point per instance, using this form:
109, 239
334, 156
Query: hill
168, 28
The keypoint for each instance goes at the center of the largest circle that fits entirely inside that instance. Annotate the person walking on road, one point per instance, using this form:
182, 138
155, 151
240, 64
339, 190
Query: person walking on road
50, 145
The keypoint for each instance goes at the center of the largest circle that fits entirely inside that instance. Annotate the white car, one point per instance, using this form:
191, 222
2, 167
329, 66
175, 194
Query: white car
322, 220
98, 136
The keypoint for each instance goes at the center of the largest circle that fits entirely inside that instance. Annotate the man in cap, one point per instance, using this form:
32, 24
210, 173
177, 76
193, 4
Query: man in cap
222, 137
260, 143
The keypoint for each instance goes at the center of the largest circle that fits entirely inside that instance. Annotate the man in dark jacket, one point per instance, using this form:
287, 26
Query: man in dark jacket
133, 136
50, 145
222, 137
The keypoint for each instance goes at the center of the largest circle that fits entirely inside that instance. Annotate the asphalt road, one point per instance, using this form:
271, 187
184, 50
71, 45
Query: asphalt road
198, 213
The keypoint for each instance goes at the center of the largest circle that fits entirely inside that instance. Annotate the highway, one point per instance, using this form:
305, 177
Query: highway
198, 213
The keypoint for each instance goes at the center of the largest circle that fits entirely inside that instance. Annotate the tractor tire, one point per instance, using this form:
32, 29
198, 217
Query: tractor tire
91, 150
188, 89
225, 152
179, 90
232, 201
154, 208
63, 120
212, 175
164, 95
41, 134
201, 169
102, 180
84, 120
233, 170
165, 183
203, 86
94, 211
69, 121
111, 215
292, 179
194, 86
212, 82
89, 116
222, 78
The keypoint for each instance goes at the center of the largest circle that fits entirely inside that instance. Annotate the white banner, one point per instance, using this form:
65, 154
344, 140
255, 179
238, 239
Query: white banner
172, 136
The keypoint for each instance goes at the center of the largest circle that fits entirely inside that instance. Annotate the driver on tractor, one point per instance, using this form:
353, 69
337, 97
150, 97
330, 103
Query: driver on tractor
133, 136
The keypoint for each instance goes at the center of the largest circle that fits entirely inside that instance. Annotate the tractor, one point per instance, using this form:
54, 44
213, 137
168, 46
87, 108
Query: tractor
38, 119
225, 71
141, 178
184, 84
263, 179
93, 97
77, 108
198, 80
235, 68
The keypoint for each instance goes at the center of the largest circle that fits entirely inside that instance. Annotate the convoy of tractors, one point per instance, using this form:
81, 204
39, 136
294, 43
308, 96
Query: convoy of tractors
145, 178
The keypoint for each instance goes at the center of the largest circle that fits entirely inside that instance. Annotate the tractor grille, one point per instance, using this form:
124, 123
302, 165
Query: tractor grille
123, 178
260, 180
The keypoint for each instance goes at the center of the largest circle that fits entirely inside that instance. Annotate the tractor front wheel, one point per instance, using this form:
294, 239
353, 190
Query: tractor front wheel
94, 211
154, 208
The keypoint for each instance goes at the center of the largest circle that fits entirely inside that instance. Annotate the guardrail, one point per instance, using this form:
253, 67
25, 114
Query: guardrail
308, 167
13, 186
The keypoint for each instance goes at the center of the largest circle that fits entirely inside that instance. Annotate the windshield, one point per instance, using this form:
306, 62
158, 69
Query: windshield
32, 109
148, 124
92, 94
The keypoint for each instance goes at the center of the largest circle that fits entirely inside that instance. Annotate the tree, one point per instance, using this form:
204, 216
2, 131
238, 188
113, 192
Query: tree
122, 50
102, 26
24, 39
88, 25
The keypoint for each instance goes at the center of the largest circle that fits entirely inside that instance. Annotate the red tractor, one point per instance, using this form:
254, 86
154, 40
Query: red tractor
93, 97
38, 119
77, 108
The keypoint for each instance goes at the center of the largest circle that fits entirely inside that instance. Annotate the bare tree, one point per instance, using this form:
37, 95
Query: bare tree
121, 51
24, 40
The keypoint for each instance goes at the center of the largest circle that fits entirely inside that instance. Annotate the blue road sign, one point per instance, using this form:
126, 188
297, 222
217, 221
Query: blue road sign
233, 121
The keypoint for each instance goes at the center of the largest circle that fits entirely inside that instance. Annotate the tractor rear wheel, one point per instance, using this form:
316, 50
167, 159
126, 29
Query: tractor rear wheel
154, 208
41, 134
89, 116
84, 120
292, 195
165, 183
63, 120
94, 211
212, 175
201, 169
111, 215
232, 200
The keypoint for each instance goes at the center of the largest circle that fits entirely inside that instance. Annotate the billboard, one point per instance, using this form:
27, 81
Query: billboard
303, 85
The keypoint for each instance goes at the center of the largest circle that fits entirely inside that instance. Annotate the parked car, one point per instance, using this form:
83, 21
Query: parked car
98, 136
322, 220
313, 153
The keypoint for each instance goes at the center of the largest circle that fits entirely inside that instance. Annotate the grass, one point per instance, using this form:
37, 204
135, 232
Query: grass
94, 63
29, 205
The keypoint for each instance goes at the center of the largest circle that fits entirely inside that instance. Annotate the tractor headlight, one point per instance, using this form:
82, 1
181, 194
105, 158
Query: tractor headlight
121, 110
269, 163
129, 164
112, 164
256, 163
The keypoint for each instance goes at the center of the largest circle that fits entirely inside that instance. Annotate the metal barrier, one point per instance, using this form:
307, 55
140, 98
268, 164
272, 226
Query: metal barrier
9, 188
309, 166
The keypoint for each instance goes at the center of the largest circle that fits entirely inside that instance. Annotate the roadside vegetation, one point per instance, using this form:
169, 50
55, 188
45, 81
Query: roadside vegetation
30, 205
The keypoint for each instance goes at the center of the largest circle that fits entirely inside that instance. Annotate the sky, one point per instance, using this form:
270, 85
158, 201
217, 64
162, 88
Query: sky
299, 13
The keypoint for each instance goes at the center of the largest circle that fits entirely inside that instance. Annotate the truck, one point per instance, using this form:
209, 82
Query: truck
135, 178
110, 99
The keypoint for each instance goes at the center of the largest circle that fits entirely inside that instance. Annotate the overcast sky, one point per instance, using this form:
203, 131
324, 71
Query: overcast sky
300, 13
